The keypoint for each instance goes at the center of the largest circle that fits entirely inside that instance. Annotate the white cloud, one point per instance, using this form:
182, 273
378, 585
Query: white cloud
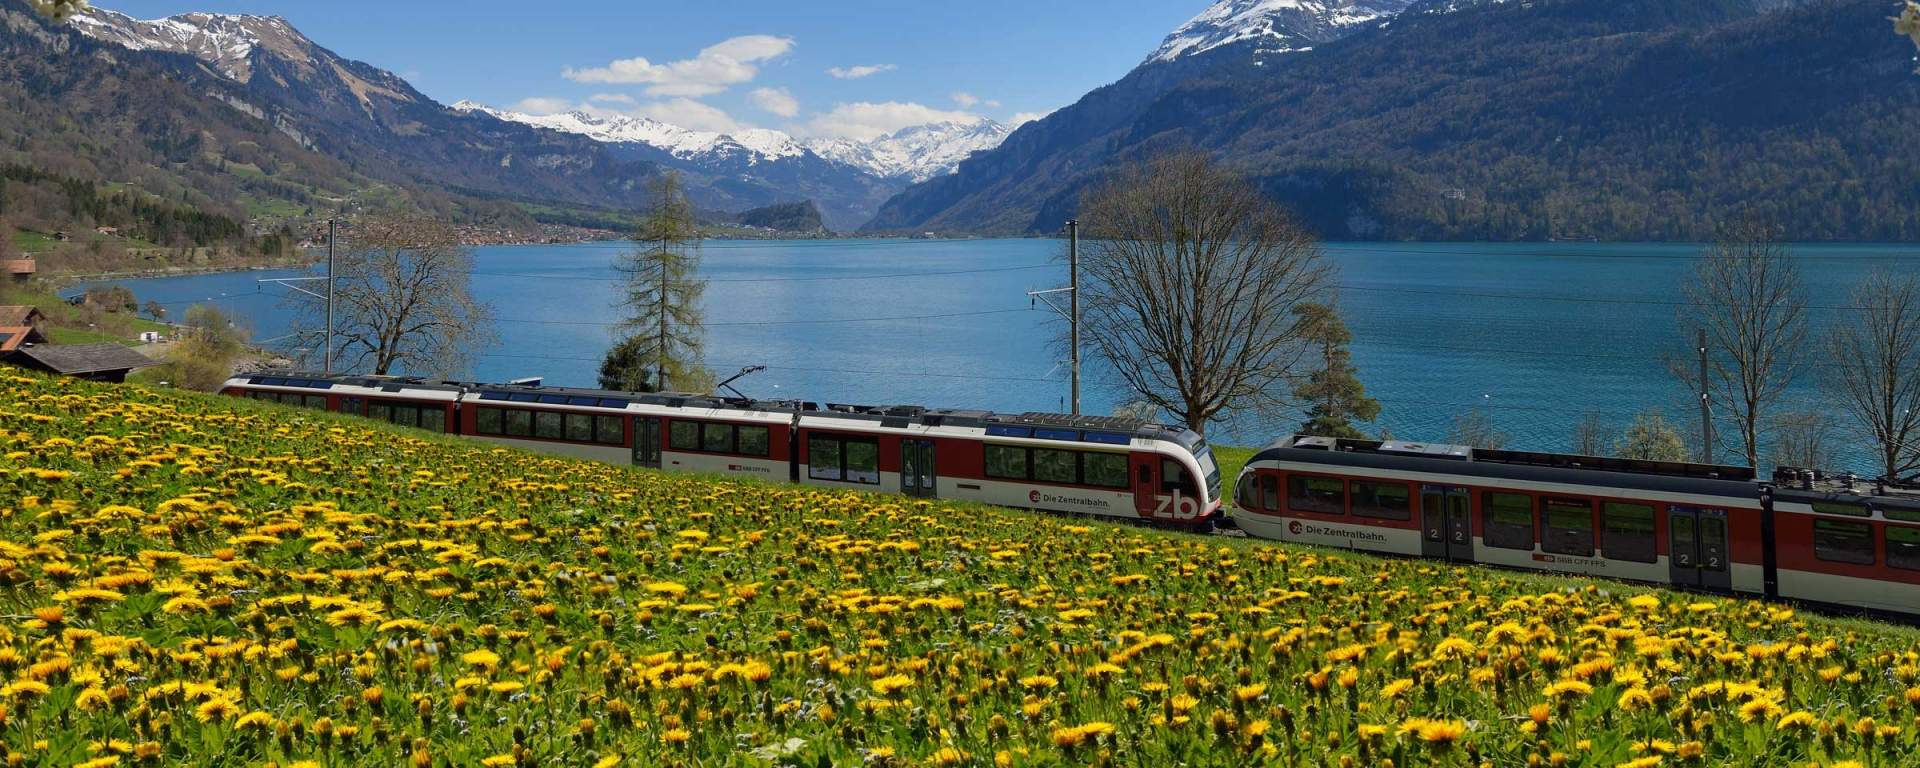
864, 70
775, 100
1027, 117
541, 105
689, 114
865, 121
611, 98
965, 100
726, 63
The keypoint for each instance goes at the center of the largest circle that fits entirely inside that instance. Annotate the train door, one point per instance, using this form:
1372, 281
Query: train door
917, 476
1146, 484
1697, 544
646, 443
1446, 522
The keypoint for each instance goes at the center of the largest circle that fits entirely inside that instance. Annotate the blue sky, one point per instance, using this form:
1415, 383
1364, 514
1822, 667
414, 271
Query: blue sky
768, 64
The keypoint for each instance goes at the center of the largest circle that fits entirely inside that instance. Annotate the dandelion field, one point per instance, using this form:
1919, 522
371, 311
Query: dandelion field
198, 581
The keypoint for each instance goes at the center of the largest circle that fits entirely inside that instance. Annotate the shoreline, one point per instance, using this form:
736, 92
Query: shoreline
67, 279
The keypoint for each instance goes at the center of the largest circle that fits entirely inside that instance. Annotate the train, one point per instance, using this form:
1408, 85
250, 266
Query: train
1099, 466
1828, 541
1809, 537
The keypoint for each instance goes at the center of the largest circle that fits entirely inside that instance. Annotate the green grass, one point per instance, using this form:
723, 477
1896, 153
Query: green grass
34, 242
1231, 459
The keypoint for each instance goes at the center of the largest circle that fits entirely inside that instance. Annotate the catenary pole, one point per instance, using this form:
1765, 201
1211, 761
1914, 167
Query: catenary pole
1706, 405
327, 366
1073, 285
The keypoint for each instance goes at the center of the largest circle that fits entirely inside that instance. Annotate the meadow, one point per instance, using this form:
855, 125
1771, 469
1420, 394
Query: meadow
198, 581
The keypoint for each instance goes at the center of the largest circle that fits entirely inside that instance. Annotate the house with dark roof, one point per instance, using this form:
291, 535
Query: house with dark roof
94, 362
22, 314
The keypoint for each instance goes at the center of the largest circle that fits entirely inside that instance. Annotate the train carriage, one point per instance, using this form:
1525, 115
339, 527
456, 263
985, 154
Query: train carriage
1841, 543
1090, 465
1686, 524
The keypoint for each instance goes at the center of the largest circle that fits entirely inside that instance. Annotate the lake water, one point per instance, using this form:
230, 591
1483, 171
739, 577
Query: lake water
1535, 334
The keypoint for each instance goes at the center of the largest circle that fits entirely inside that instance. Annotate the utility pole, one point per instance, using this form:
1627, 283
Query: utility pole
1706, 405
328, 365
661, 367
1073, 283
1072, 313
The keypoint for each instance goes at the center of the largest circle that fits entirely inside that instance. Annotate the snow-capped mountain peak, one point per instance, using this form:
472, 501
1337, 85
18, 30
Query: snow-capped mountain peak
915, 153
1277, 26
224, 41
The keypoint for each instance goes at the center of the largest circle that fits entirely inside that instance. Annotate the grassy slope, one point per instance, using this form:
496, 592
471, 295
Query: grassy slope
68, 324
244, 569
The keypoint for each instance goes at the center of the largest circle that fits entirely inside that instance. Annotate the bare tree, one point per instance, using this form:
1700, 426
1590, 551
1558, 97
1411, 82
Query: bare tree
1190, 278
1592, 435
1746, 293
1801, 439
1475, 429
403, 298
1876, 364
663, 331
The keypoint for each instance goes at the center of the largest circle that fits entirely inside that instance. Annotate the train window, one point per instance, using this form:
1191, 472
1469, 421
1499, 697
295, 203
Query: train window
1903, 547
863, 461
1906, 515
486, 421
318, 402
609, 430
1831, 508
433, 419
1626, 532
519, 423
547, 424
716, 438
823, 458
1569, 527
1173, 477
755, 441
1387, 501
580, 427
1056, 466
685, 436
380, 412
1107, 470
1006, 462
1509, 520
1270, 493
1320, 495
1836, 541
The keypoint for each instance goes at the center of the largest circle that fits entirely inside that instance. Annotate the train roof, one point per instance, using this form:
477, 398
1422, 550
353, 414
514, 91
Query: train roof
1054, 426
1815, 487
1437, 458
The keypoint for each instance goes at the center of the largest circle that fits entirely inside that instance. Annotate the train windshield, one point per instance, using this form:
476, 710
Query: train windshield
1204, 454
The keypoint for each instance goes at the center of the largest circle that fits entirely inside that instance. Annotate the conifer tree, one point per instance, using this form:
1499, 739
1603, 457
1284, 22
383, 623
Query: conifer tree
663, 328
1332, 388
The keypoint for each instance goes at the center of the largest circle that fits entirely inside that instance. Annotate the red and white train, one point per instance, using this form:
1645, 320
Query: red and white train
1089, 465
1802, 536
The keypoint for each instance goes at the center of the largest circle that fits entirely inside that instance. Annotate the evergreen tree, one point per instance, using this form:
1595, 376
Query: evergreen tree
1333, 389
663, 330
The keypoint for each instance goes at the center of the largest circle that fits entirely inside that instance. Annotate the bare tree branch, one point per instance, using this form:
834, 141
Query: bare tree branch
1746, 292
1190, 278
403, 299
1876, 365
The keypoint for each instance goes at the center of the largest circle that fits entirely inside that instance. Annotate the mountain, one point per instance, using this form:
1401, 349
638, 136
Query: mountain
908, 156
915, 153
356, 129
1273, 26
1463, 119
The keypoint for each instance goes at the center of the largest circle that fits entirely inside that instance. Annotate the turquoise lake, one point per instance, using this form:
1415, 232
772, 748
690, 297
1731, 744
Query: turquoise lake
1537, 334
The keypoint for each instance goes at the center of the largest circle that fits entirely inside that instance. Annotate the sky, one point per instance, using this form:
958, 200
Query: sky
821, 68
